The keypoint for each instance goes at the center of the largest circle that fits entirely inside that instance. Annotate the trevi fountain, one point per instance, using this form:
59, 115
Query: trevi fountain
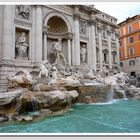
54, 74
59, 98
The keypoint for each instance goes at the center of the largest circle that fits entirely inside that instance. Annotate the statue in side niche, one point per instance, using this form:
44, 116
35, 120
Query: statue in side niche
22, 46
83, 53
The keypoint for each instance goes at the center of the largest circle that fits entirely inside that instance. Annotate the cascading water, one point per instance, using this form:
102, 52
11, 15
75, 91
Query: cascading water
124, 95
110, 94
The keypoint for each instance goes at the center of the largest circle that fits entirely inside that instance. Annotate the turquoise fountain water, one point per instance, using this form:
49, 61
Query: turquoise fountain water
123, 116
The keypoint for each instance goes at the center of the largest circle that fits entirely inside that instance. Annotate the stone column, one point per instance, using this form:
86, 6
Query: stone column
60, 41
38, 34
118, 46
109, 47
45, 29
100, 45
92, 43
8, 30
69, 50
45, 46
76, 59
7, 45
33, 32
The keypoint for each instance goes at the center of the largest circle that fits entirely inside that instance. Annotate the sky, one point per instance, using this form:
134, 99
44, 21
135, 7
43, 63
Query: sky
119, 10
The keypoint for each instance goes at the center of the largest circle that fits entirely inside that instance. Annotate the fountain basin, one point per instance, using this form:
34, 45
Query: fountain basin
120, 117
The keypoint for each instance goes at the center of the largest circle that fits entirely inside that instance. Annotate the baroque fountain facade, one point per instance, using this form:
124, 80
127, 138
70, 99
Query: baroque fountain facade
55, 56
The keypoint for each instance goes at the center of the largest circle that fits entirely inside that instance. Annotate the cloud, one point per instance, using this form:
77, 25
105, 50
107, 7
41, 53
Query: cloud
119, 10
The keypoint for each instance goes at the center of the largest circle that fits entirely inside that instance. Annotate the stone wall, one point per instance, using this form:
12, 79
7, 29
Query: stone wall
131, 68
1, 17
93, 94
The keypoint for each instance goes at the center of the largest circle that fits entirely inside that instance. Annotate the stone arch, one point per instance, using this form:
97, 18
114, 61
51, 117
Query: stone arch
57, 25
59, 15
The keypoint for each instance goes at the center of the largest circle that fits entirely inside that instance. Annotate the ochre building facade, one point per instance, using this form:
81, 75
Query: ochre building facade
130, 45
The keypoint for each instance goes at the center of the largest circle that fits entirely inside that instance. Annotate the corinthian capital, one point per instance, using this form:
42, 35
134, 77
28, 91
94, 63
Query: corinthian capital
99, 26
70, 36
92, 20
109, 30
45, 29
76, 13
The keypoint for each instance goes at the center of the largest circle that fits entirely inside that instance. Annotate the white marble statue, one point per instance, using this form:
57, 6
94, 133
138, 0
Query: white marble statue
117, 79
43, 70
23, 11
54, 72
57, 48
83, 53
103, 71
91, 74
22, 46
21, 77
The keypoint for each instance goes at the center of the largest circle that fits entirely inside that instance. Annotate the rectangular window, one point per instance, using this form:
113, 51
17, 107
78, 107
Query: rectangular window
119, 33
131, 51
121, 64
139, 36
120, 43
129, 29
131, 62
131, 39
120, 54
105, 57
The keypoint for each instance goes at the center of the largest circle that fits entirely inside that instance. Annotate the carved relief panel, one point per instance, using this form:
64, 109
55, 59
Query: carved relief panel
22, 44
83, 27
23, 11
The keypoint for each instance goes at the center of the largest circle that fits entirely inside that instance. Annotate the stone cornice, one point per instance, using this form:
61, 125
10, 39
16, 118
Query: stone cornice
128, 34
67, 35
23, 22
106, 22
39, 6
6, 62
84, 37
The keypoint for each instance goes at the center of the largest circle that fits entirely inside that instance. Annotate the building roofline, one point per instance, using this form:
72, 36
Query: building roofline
108, 15
129, 19
92, 8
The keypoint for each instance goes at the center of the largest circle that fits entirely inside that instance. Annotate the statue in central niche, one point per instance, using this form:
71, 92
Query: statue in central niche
57, 49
